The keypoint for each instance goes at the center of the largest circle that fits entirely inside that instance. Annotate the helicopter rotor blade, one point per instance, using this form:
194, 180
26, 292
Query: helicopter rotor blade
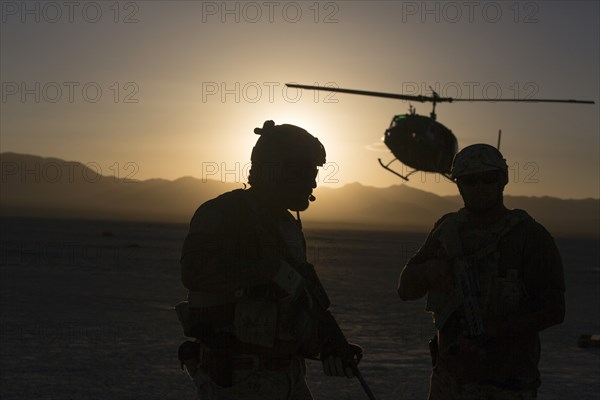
433, 99
419, 98
530, 100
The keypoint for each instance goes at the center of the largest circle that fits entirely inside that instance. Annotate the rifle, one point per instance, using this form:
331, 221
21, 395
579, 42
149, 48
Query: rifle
467, 283
466, 280
339, 345
465, 270
330, 334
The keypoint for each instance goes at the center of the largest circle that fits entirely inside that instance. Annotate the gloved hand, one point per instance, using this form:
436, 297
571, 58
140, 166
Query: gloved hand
336, 365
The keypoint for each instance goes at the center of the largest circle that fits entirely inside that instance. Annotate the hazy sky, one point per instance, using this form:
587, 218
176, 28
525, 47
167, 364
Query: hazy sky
176, 88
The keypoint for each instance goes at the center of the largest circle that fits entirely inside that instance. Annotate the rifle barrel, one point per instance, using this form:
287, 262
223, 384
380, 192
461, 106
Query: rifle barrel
363, 383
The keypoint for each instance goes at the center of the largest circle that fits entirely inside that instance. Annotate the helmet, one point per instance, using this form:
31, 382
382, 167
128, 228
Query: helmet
478, 158
286, 143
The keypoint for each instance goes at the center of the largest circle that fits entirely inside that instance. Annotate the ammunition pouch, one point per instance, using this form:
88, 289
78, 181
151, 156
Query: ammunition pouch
194, 327
255, 320
510, 292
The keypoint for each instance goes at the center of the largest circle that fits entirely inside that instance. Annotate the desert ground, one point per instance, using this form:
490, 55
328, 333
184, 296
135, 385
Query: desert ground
86, 313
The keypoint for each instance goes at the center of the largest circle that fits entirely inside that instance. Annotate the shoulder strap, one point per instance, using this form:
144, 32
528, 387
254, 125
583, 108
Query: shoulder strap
447, 233
306, 270
265, 226
502, 228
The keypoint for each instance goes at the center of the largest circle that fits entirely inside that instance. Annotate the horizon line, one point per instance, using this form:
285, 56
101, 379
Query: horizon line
341, 186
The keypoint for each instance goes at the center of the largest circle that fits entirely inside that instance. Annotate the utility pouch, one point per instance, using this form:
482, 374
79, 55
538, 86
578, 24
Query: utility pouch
183, 314
216, 363
434, 350
509, 293
255, 321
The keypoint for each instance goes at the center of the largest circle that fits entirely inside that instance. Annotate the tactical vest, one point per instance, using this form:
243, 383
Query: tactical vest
257, 318
478, 250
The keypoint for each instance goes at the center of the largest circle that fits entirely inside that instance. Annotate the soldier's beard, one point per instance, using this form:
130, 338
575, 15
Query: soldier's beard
298, 203
483, 207
482, 200
295, 197
286, 198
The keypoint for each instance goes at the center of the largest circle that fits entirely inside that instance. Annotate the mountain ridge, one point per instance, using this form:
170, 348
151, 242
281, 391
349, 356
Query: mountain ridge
50, 187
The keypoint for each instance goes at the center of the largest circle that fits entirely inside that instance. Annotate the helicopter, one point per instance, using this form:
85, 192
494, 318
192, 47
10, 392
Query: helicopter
418, 141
